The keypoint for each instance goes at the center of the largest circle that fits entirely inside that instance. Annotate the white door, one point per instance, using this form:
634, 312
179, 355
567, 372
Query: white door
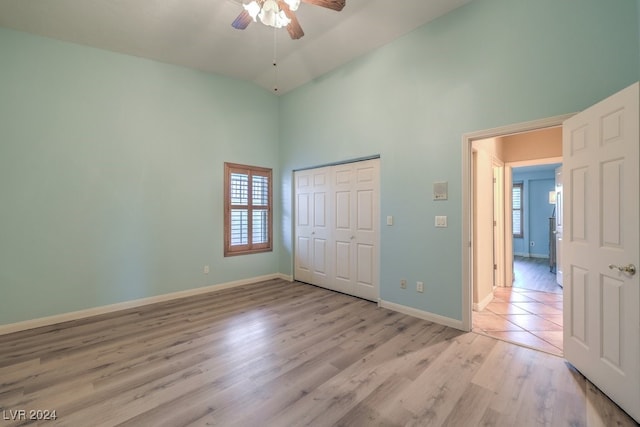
559, 222
337, 228
601, 246
355, 234
365, 229
344, 236
312, 228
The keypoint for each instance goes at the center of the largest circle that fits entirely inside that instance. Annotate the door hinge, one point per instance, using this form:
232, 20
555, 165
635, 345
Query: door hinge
495, 266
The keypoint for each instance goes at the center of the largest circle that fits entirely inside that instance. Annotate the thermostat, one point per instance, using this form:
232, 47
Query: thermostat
440, 190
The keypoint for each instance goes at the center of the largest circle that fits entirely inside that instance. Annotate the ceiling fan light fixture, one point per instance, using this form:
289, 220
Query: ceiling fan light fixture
279, 13
269, 12
252, 9
293, 4
271, 15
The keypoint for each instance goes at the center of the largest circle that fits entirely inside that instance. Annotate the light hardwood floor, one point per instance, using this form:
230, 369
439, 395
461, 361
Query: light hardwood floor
533, 274
286, 354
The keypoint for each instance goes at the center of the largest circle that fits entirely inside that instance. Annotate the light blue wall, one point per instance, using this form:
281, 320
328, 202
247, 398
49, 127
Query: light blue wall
111, 172
111, 165
536, 212
487, 64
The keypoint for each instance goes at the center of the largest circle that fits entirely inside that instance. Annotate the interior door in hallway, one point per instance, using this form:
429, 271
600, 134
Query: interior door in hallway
601, 246
559, 225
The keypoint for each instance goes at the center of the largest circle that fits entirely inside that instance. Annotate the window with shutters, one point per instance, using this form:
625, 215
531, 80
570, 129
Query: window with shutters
516, 200
247, 209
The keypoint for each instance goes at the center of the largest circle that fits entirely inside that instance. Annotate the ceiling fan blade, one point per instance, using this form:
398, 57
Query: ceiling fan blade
294, 28
242, 21
329, 4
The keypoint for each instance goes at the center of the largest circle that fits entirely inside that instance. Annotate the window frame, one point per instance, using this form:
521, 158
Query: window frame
519, 185
250, 247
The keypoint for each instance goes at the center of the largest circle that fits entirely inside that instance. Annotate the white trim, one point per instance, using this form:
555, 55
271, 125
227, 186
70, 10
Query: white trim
81, 314
425, 315
484, 303
517, 128
529, 255
535, 162
467, 229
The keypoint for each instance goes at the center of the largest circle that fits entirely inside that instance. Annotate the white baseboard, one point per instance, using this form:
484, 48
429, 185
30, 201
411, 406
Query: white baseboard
75, 315
484, 303
420, 314
528, 255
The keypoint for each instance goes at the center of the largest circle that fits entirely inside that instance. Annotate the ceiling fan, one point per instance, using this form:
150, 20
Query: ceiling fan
280, 13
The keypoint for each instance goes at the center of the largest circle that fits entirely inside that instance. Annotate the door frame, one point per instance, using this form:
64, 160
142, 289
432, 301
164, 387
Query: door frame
467, 199
498, 224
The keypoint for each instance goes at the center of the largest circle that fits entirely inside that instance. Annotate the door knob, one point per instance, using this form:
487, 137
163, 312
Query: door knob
631, 269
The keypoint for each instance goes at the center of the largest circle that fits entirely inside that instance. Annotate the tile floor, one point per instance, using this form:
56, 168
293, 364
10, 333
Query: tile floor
527, 317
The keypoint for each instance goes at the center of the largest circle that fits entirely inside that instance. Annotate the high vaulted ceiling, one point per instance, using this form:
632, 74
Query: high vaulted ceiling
198, 33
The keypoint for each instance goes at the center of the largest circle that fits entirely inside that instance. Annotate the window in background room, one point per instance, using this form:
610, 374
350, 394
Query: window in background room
517, 209
247, 214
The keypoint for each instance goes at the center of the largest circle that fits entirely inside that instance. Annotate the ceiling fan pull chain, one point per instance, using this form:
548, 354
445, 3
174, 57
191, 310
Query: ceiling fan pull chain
275, 59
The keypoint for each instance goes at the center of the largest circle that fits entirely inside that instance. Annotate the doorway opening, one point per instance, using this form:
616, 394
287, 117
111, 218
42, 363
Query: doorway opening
511, 288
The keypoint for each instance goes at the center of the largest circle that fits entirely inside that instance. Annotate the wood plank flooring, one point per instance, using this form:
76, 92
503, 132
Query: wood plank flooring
533, 274
285, 354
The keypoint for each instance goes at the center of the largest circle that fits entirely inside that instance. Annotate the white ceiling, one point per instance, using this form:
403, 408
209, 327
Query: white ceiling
198, 33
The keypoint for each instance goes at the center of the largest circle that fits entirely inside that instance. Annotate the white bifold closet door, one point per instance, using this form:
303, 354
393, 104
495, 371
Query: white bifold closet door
337, 227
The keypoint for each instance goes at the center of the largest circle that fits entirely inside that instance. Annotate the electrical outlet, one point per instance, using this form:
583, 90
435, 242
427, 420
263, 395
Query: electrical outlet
403, 284
206, 269
419, 286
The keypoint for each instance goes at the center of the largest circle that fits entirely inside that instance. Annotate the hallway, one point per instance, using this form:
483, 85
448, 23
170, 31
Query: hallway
530, 312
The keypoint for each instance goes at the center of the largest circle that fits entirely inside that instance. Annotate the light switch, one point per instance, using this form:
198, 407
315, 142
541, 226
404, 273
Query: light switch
441, 221
389, 220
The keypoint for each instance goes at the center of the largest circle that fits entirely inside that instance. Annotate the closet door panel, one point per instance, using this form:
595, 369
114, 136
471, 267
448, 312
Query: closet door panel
320, 269
321, 232
343, 261
366, 229
319, 210
365, 265
313, 226
365, 211
342, 232
303, 262
343, 210
303, 228
337, 228
342, 256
